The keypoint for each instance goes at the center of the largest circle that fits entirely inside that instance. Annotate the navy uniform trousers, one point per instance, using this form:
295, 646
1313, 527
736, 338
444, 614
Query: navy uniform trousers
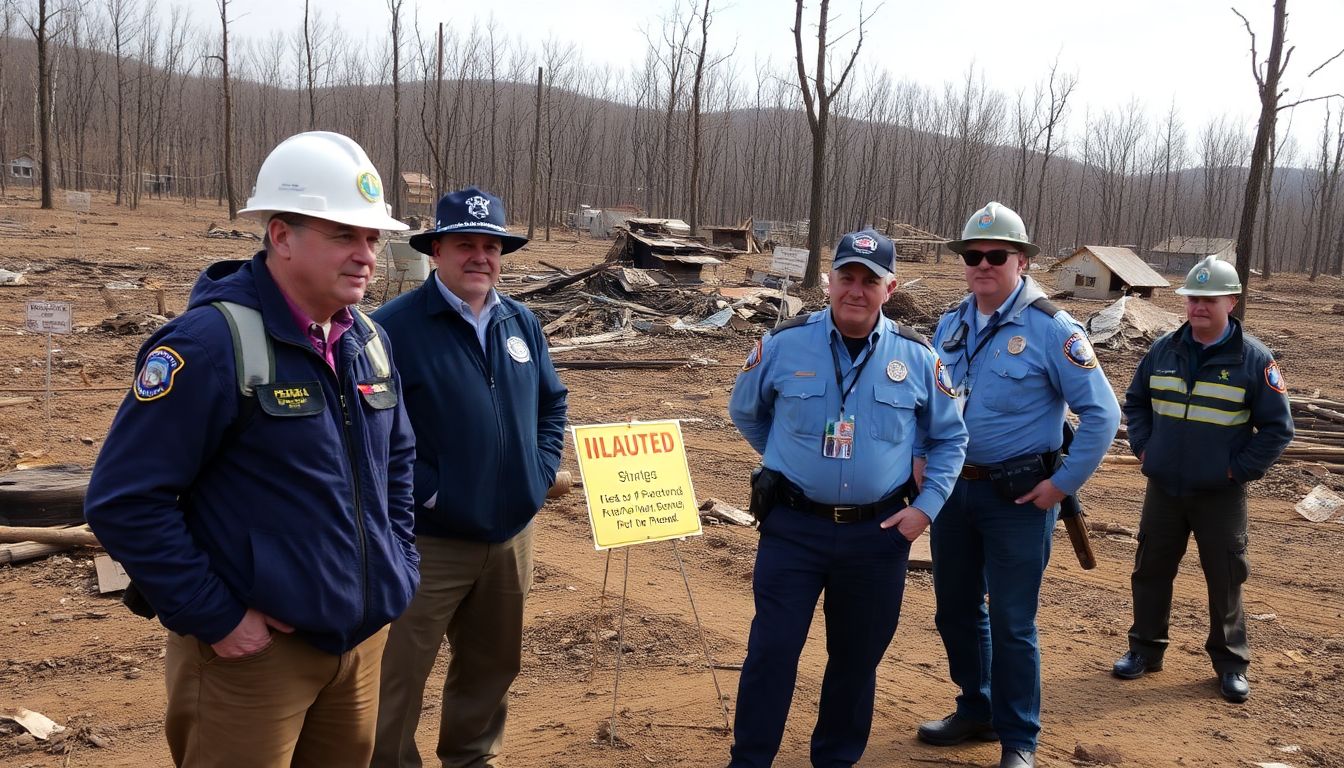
1218, 520
861, 570
983, 543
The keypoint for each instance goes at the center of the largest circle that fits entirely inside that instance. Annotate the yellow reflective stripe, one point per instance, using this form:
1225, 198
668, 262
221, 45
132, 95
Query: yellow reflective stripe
1215, 416
1220, 391
1164, 408
1167, 383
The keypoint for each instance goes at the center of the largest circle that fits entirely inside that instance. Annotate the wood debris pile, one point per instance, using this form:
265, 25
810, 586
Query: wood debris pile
612, 298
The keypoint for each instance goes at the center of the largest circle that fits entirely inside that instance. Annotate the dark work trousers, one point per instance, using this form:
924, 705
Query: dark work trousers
861, 569
982, 544
1218, 520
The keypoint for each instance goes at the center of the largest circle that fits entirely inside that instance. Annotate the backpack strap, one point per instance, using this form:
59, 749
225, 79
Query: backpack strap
382, 366
253, 358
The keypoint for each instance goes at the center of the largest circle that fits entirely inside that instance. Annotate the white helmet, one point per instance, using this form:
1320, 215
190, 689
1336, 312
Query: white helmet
324, 175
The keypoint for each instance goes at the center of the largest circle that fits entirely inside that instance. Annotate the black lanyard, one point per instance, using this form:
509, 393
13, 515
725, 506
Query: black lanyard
857, 370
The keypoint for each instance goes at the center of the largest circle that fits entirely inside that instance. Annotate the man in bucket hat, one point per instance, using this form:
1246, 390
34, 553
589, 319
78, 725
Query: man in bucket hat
489, 416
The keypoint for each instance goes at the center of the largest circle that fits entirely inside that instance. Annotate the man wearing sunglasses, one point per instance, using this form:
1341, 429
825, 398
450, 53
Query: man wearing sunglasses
1014, 361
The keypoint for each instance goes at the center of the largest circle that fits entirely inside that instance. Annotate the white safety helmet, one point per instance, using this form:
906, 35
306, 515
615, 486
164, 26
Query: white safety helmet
324, 175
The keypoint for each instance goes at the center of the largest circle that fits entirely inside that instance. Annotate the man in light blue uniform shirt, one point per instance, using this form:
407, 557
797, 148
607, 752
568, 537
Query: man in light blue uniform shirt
835, 403
1015, 361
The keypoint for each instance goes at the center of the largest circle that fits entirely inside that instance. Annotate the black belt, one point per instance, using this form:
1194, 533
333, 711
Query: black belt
987, 471
793, 497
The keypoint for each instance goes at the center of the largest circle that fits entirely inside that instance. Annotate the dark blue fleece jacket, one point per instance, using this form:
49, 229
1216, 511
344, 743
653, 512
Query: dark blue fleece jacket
489, 426
297, 504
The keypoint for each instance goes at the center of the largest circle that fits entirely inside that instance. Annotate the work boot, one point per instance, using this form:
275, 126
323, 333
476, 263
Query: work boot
1134, 665
955, 729
1017, 758
1234, 686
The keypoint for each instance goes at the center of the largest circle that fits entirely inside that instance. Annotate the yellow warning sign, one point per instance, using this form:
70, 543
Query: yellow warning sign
637, 482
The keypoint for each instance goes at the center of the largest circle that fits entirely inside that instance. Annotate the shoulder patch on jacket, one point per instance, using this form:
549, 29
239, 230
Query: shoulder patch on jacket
156, 375
1079, 351
754, 359
943, 379
1274, 378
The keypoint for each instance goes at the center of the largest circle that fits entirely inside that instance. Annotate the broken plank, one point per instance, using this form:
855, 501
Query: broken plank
561, 282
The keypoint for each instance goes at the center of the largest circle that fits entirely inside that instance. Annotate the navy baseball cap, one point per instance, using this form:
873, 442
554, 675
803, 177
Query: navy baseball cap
468, 211
868, 248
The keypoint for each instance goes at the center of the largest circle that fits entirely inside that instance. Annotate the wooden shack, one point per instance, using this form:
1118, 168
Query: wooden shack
1179, 254
1106, 272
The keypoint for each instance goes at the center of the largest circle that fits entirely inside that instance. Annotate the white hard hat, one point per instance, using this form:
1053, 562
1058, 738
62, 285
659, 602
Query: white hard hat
324, 175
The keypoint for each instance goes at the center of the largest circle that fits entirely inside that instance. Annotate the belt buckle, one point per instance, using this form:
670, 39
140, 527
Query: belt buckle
837, 511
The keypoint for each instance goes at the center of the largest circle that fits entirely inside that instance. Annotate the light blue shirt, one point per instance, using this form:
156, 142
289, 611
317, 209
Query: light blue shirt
787, 392
1017, 385
464, 309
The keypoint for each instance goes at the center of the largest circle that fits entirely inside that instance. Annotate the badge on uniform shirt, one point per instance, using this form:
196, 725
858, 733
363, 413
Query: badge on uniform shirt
897, 371
839, 439
517, 349
156, 376
1274, 378
753, 359
1016, 345
943, 379
1079, 351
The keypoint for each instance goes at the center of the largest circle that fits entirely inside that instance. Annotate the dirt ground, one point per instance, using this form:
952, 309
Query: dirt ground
84, 661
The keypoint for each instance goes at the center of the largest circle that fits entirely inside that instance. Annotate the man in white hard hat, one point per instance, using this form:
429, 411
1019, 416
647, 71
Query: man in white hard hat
256, 483
1207, 412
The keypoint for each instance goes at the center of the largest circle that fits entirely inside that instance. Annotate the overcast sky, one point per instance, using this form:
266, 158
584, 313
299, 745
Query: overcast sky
1193, 53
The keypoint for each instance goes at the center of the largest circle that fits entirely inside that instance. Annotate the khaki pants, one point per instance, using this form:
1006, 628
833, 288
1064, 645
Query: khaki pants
289, 705
473, 594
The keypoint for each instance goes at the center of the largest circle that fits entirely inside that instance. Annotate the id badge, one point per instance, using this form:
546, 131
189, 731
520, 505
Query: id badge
839, 440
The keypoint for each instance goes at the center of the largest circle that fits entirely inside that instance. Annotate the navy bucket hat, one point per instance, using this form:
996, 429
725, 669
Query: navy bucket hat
468, 211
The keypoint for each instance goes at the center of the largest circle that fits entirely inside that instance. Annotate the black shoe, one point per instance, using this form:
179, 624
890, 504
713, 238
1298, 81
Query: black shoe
1133, 665
1234, 686
955, 729
1017, 758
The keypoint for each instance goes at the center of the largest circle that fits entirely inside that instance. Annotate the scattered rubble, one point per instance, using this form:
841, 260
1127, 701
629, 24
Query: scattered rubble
1130, 323
11, 278
132, 323
216, 231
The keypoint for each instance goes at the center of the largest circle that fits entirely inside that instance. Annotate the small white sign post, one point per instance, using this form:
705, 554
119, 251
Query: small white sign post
48, 317
789, 262
79, 202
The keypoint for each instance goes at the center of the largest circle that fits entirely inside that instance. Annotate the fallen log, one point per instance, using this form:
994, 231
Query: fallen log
79, 536
22, 552
1325, 413
43, 496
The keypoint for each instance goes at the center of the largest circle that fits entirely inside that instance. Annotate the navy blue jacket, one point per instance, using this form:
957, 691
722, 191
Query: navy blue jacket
296, 503
1210, 424
489, 427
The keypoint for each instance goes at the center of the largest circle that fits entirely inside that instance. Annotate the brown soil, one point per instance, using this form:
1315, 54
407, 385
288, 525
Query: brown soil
82, 660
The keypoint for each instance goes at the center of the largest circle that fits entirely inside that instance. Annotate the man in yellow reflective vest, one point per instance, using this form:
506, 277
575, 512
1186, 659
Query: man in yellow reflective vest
1207, 413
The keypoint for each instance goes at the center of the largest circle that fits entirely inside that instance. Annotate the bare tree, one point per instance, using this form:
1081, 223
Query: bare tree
1060, 88
536, 152
41, 27
223, 6
695, 119
394, 7
1267, 75
817, 97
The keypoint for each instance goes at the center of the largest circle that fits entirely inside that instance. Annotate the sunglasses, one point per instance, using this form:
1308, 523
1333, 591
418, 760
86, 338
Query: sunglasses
997, 257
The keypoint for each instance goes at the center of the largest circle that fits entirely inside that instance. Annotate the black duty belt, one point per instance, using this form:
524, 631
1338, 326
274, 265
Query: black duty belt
988, 471
793, 497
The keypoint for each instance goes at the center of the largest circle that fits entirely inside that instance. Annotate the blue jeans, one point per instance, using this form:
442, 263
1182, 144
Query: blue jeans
983, 543
861, 569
